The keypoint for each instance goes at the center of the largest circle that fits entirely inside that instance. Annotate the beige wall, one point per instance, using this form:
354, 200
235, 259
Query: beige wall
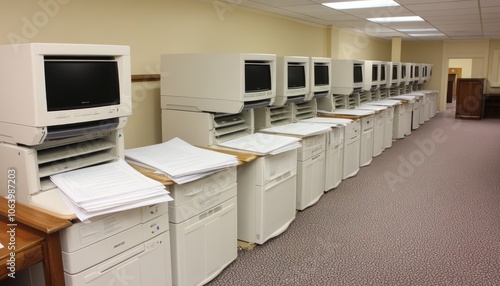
153, 27
464, 64
424, 52
358, 46
494, 46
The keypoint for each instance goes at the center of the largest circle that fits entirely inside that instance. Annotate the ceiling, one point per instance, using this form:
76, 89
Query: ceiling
453, 19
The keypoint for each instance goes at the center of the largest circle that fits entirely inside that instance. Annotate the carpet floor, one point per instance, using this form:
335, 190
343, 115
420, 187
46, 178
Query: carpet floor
424, 212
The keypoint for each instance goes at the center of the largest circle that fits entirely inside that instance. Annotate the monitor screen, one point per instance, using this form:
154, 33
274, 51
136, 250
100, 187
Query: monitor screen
77, 84
358, 73
374, 73
417, 71
296, 76
321, 76
403, 71
382, 72
394, 72
257, 77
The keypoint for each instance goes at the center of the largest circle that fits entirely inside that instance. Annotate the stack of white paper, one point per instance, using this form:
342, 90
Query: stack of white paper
332, 121
263, 144
355, 112
108, 188
298, 129
180, 161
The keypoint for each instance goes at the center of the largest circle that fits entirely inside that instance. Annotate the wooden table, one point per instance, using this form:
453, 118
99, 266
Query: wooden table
36, 240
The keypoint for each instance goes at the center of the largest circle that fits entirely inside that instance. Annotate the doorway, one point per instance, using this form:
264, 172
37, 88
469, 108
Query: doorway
453, 74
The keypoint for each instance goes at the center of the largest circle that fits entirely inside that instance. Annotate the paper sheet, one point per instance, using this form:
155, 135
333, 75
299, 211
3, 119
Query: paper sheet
108, 188
263, 144
180, 161
299, 129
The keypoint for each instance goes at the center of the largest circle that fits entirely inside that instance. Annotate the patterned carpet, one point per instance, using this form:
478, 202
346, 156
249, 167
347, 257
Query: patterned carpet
425, 212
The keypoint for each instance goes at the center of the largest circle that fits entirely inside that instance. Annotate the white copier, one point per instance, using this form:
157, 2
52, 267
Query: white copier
130, 247
203, 224
366, 119
351, 143
310, 159
380, 119
281, 120
208, 99
374, 76
294, 95
334, 154
347, 88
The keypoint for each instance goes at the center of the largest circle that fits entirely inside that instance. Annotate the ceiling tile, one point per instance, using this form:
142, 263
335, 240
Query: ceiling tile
456, 18
488, 3
491, 10
471, 4
281, 3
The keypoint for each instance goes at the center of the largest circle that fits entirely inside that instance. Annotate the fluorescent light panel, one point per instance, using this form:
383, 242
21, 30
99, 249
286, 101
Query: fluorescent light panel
396, 19
361, 4
418, 30
426, 35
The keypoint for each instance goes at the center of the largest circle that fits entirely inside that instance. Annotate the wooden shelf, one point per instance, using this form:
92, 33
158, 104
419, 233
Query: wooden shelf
145, 77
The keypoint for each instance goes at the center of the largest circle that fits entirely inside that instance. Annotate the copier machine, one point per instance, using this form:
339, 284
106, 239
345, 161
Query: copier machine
130, 247
205, 101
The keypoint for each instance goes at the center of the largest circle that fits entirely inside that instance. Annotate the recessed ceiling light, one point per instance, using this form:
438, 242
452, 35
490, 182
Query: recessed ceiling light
361, 4
427, 35
418, 30
396, 19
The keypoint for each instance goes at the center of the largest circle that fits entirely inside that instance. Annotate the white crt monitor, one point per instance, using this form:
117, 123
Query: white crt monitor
347, 76
384, 70
393, 74
427, 72
49, 91
292, 80
406, 74
372, 71
222, 83
417, 73
320, 70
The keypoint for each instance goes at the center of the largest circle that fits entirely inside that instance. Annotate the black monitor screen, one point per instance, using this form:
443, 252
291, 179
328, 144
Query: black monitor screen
382, 72
257, 77
417, 71
374, 73
81, 84
321, 76
296, 76
358, 73
403, 71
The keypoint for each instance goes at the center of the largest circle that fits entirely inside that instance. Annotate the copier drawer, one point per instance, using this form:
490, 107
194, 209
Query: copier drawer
198, 196
148, 263
352, 130
311, 146
367, 122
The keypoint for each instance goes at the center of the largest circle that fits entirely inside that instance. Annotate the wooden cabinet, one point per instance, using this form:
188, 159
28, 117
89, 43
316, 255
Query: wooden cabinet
469, 98
491, 106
